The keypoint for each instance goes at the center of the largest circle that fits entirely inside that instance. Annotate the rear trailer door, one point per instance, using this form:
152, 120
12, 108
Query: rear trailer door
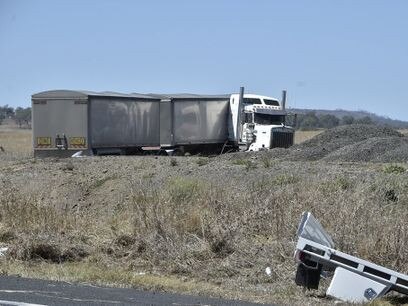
60, 125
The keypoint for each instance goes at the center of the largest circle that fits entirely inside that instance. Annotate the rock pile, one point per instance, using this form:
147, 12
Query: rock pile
354, 143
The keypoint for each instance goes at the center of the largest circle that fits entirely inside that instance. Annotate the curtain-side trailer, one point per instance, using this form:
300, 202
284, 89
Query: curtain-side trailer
65, 122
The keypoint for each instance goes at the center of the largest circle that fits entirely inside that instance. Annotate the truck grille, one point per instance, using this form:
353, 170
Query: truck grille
281, 139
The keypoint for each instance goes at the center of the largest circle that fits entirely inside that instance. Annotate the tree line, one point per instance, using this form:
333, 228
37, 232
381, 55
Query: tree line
311, 121
20, 115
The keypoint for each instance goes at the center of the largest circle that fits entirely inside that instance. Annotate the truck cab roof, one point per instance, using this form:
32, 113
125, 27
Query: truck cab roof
259, 103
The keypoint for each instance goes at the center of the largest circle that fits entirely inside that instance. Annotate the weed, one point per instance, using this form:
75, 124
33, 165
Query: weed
267, 162
98, 183
220, 246
43, 250
395, 169
261, 186
148, 175
339, 183
125, 240
192, 223
343, 183
173, 162
68, 166
391, 195
249, 164
183, 189
202, 161
240, 162
284, 179
7, 236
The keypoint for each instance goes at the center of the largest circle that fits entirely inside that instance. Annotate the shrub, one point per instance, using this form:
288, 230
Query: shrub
343, 183
285, 179
183, 189
245, 162
394, 169
173, 162
266, 161
202, 161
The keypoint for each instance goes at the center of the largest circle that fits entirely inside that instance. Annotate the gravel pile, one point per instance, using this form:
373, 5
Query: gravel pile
377, 149
353, 143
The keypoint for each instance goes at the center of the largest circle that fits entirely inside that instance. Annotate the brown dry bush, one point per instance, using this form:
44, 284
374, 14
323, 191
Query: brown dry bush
212, 224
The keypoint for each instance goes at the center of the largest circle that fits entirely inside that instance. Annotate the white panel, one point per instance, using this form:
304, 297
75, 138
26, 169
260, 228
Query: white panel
310, 228
352, 287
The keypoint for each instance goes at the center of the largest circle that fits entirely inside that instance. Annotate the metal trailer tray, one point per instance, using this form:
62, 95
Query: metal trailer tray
355, 279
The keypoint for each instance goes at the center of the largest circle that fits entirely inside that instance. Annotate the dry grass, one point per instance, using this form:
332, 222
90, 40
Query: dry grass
301, 136
193, 234
404, 131
15, 141
99, 275
187, 225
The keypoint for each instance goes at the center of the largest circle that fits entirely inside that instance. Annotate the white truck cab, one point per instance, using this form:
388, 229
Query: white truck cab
262, 121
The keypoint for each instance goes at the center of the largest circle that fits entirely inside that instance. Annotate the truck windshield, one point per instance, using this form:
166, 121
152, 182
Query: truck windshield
271, 102
268, 119
250, 101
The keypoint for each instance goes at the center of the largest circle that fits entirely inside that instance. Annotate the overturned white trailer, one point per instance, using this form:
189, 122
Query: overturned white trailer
66, 121
355, 280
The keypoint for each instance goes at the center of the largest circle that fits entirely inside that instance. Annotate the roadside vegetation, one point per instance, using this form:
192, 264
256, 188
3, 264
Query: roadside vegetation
15, 141
312, 121
21, 115
198, 225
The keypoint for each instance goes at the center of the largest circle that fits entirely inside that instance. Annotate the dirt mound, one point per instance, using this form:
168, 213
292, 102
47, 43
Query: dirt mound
338, 138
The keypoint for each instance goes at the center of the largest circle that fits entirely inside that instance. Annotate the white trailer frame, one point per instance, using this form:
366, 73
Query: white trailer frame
355, 279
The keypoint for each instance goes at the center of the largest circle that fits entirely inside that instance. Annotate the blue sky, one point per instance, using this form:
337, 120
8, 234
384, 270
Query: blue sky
327, 54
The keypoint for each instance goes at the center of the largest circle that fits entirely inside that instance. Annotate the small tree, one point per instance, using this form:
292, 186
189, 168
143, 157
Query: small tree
6, 112
365, 120
23, 115
347, 120
328, 121
309, 121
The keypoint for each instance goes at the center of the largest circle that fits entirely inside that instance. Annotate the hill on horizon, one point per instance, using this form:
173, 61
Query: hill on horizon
340, 113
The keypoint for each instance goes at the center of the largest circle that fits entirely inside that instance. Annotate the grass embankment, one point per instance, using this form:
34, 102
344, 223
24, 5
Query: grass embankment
194, 233
195, 224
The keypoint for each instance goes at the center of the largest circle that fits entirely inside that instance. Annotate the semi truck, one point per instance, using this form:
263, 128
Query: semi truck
98, 123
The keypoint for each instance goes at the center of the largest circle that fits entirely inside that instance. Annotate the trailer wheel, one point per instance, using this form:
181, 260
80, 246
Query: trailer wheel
162, 153
178, 152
